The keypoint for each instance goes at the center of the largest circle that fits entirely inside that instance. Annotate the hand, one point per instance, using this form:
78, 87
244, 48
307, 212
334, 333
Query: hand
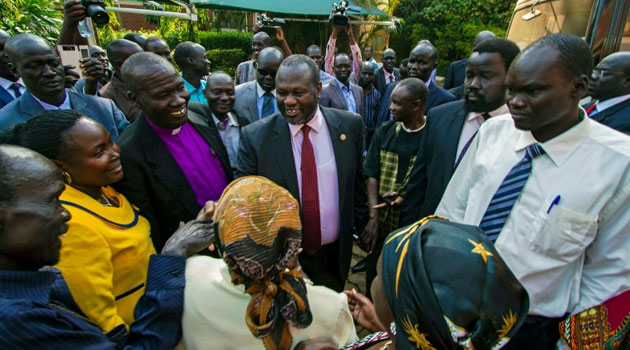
71, 75
368, 238
315, 344
73, 12
190, 238
335, 31
395, 203
349, 31
92, 68
207, 211
279, 33
363, 311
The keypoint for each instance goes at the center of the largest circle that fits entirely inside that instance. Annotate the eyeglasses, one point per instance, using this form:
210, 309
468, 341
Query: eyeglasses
265, 72
600, 73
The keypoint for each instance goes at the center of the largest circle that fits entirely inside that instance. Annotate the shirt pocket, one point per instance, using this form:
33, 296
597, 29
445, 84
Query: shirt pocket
564, 234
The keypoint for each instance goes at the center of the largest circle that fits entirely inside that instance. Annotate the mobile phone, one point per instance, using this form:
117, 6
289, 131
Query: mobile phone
72, 54
387, 200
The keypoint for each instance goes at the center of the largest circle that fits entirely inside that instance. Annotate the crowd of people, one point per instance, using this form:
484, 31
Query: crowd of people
153, 203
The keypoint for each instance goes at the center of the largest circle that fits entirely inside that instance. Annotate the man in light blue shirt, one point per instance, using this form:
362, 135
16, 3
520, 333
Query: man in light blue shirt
341, 93
191, 59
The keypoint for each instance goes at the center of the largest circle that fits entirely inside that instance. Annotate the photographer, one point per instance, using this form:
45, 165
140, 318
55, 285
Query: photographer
73, 13
357, 60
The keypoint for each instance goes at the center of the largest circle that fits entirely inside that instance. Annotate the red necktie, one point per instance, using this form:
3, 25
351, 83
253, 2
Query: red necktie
311, 238
591, 108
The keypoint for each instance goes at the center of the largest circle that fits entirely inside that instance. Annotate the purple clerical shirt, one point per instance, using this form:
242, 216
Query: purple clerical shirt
195, 158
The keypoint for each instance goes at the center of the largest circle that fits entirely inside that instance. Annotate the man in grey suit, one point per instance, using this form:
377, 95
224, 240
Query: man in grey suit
341, 93
44, 77
257, 99
315, 153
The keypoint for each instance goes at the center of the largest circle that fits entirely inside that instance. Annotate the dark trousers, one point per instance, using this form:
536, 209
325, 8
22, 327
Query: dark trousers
370, 267
323, 267
536, 333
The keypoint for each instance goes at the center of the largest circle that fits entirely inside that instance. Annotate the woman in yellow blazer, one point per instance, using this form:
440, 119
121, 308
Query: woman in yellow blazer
105, 253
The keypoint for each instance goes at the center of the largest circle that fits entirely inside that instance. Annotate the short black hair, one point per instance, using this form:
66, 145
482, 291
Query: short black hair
184, 50
338, 55
416, 87
575, 54
131, 66
507, 49
115, 45
136, 38
296, 60
44, 133
150, 40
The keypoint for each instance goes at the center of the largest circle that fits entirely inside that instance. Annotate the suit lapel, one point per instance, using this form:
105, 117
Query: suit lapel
281, 143
338, 94
452, 132
253, 106
336, 128
432, 97
5, 96
210, 134
166, 168
77, 102
601, 116
28, 105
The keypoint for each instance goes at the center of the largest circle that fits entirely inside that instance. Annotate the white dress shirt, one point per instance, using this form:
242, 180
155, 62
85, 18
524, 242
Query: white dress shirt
5, 83
602, 105
327, 183
48, 107
569, 256
471, 125
230, 137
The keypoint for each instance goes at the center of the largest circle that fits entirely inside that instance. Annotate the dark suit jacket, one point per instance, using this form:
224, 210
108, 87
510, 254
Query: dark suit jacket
153, 180
265, 149
5, 97
379, 79
333, 97
100, 109
437, 96
616, 116
458, 92
245, 102
435, 162
205, 111
455, 74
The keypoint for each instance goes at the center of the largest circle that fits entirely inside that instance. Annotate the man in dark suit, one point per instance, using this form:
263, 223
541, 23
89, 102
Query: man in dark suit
610, 86
451, 127
173, 159
422, 61
323, 173
44, 77
386, 74
11, 86
341, 93
257, 99
457, 70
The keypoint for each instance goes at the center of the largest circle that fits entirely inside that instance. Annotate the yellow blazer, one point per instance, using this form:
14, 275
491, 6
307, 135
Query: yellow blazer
104, 263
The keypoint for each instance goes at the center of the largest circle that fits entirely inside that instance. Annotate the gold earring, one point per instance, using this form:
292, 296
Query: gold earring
67, 177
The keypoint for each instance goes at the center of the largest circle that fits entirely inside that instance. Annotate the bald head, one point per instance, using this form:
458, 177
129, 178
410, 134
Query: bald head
18, 165
483, 35
611, 77
23, 43
141, 66
219, 77
4, 36
263, 37
270, 54
269, 60
119, 50
422, 61
136, 38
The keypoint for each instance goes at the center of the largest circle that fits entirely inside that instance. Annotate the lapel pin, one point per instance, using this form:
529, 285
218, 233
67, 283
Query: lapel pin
342, 137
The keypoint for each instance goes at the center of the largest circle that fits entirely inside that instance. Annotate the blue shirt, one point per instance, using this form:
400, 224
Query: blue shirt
347, 94
371, 104
37, 312
196, 94
260, 100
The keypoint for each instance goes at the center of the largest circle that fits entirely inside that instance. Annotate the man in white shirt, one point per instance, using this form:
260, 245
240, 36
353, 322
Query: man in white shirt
536, 183
610, 87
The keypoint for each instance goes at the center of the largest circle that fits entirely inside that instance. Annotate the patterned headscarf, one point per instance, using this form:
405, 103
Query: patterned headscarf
449, 289
259, 234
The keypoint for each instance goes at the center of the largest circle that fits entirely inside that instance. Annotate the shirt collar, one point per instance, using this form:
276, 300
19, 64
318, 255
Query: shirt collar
31, 285
560, 147
387, 74
261, 92
48, 107
163, 131
401, 126
231, 119
602, 105
497, 112
5, 83
341, 86
315, 123
191, 87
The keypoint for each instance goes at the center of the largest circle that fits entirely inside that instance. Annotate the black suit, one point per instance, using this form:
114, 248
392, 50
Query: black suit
205, 111
380, 83
455, 74
435, 162
617, 116
153, 180
265, 149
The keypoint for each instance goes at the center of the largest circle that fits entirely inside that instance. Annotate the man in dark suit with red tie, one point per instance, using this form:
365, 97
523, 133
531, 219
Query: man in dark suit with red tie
610, 86
450, 128
315, 153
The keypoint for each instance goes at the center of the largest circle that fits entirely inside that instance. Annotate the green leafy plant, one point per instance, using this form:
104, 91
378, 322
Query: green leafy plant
226, 59
39, 17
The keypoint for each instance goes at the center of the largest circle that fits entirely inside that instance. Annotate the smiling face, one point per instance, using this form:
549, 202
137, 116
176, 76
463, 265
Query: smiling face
198, 61
161, 95
220, 94
403, 107
297, 94
542, 96
342, 67
483, 86
91, 157
422, 61
99, 54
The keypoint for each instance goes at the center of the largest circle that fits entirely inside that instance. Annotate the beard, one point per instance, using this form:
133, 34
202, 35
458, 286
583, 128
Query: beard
482, 106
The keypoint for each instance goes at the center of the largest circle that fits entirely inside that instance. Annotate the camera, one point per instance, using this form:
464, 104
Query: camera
266, 24
338, 16
95, 9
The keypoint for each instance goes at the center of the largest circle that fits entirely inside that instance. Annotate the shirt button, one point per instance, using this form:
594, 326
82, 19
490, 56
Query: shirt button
176, 273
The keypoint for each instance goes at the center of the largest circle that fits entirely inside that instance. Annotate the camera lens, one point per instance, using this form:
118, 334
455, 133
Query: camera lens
98, 14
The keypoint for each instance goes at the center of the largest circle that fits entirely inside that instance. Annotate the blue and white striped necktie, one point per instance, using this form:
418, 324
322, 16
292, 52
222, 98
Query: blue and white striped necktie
507, 194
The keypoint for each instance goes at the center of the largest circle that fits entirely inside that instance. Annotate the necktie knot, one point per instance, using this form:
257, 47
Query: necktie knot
534, 150
222, 125
16, 89
305, 130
